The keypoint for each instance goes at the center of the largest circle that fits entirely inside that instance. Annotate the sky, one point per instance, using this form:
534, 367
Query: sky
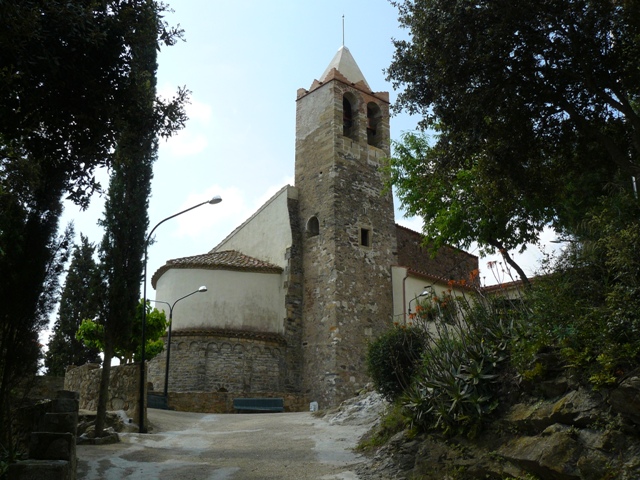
243, 62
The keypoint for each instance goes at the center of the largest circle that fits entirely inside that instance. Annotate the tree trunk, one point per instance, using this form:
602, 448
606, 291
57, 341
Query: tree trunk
507, 258
6, 430
103, 394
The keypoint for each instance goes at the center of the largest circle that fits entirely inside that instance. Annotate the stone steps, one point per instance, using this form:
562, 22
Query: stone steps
52, 449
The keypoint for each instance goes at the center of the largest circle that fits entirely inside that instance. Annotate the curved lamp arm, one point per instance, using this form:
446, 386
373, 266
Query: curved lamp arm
427, 291
213, 201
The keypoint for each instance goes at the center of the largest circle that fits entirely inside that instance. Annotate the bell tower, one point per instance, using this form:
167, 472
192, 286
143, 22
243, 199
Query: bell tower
348, 227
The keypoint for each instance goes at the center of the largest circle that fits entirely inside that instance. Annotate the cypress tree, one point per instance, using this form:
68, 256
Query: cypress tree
125, 219
77, 303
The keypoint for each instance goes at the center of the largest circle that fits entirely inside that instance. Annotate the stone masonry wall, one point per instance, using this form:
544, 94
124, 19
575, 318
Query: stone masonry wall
45, 387
222, 402
124, 391
347, 296
218, 361
449, 263
293, 304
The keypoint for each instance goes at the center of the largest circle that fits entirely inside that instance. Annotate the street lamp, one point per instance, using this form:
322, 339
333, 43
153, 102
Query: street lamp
213, 201
202, 289
425, 292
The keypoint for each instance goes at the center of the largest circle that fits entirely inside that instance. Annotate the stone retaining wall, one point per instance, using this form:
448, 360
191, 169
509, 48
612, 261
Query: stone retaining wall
45, 387
222, 402
124, 387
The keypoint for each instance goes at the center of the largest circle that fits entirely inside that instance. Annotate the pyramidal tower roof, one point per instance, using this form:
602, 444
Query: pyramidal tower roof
344, 63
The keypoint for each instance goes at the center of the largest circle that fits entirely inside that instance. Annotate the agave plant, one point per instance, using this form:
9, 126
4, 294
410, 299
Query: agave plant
455, 388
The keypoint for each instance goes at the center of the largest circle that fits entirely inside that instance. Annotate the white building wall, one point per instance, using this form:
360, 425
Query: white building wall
407, 286
266, 235
236, 300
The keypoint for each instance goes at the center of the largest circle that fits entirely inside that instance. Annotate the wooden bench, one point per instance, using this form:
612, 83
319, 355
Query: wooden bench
258, 404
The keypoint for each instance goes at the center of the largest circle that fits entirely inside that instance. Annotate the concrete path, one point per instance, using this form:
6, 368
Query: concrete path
197, 446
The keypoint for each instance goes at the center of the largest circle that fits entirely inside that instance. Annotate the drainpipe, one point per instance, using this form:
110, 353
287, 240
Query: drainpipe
404, 295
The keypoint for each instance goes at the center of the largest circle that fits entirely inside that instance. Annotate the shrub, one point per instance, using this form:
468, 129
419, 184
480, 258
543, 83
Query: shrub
588, 305
456, 386
392, 359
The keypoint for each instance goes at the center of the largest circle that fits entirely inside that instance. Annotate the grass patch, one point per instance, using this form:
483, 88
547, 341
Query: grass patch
392, 422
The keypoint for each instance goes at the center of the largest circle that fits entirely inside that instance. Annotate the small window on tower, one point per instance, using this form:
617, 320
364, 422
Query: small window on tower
313, 227
365, 237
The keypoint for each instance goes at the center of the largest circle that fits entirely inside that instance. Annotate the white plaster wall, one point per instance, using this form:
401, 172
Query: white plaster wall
508, 291
234, 300
267, 234
413, 286
399, 308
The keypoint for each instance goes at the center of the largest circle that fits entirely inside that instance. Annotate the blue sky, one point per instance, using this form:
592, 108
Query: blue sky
243, 62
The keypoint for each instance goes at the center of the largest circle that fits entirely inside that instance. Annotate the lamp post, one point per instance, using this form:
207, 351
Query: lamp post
213, 201
202, 289
425, 292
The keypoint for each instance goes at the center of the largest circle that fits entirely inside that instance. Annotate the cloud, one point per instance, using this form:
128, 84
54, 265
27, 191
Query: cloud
218, 219
199, 112
185, 143
193, 139
271, 191
215, 222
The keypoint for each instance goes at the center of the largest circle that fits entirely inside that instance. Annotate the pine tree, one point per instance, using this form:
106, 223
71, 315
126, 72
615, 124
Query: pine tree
78, 302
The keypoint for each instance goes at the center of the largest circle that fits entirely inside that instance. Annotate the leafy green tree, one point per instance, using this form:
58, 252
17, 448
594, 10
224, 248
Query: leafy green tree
65, 90
92, 334
534, 108
30, 270
462, 206
62, 89
78, 302
587, 307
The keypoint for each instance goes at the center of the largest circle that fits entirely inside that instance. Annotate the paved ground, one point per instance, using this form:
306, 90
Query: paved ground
197, 446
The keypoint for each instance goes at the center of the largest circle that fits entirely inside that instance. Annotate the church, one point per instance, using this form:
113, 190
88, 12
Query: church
298, 291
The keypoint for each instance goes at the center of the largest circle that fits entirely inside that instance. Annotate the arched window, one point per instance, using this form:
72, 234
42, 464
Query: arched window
374, 115
348, 119
313, 227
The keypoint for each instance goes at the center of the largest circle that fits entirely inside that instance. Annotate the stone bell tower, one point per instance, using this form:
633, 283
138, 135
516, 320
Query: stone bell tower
348, 237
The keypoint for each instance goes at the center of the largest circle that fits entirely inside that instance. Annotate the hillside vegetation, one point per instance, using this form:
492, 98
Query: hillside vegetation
457, 369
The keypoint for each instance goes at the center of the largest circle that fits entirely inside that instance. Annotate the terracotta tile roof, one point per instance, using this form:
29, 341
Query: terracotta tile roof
443, 280
225, 260
513, 285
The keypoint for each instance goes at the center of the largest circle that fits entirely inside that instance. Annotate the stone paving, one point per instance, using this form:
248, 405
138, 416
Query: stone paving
229, 446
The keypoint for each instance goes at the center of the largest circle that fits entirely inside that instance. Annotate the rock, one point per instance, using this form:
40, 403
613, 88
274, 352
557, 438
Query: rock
594, 466
52, 446
578, 408
365, 409
553, 455
573, 437
625, 399
88, 438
